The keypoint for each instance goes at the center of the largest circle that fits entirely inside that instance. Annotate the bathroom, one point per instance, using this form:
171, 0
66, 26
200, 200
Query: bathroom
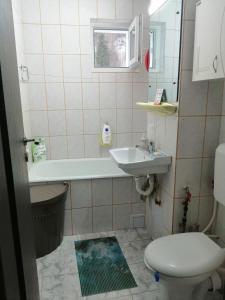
106, 102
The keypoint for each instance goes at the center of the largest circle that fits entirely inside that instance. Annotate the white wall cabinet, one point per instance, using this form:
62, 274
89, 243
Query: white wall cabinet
209, 47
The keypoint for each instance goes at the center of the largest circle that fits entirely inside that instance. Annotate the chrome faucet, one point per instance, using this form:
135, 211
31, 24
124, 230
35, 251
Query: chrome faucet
147, 145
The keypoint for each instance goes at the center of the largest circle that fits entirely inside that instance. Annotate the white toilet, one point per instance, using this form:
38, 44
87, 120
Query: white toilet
186, 263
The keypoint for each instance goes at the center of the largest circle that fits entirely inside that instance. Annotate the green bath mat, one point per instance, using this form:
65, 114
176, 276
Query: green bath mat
102, 266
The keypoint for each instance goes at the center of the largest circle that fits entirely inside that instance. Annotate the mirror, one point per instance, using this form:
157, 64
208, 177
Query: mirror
164, 48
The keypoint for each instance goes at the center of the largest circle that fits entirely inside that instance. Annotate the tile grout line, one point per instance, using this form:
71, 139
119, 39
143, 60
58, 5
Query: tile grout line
43, 57
82, 93
203, 151
178, 115
63, 83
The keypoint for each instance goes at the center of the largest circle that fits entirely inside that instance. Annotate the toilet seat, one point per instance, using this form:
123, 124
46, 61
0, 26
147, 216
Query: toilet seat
184, 255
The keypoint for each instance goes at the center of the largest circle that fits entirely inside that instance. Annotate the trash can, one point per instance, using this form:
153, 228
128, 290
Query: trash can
47, 205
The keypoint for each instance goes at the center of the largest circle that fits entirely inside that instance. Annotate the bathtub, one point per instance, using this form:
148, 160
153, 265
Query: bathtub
101, 196
74, 169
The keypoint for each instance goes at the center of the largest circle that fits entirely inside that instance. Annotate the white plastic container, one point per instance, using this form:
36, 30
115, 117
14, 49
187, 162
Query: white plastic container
106, 138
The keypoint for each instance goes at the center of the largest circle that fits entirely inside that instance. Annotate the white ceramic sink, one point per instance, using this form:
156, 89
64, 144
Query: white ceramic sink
138, 162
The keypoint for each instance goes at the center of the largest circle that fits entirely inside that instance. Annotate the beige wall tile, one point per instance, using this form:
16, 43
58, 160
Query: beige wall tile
122, 190
188, 173
82, 220
102, 218
81, 195
211, 135
214, 105
193, 96
121, 216
188, 45
192, 214
190, 137
207, 176
102, 192
68, 230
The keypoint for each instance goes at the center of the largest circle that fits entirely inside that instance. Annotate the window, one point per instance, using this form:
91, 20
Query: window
110, 48
116, 45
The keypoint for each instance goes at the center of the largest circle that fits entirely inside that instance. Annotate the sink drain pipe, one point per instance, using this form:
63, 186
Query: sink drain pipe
145, 189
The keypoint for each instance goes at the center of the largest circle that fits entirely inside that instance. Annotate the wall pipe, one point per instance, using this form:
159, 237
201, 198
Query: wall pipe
149, 190
212, 218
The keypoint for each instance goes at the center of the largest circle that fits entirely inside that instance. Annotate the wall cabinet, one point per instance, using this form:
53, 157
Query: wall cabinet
209, 47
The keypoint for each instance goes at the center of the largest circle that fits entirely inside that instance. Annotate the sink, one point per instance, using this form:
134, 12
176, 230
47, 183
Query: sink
138, 162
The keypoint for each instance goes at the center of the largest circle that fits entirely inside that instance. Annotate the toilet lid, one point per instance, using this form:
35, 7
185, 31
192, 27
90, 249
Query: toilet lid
184, 255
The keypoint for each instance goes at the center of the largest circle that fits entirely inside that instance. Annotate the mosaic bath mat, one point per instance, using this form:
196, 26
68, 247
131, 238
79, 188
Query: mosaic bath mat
102, 266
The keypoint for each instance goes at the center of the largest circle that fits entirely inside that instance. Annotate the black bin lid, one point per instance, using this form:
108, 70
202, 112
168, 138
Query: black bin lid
47, 192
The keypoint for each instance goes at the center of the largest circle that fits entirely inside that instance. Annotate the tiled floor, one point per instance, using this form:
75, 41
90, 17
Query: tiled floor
59, 279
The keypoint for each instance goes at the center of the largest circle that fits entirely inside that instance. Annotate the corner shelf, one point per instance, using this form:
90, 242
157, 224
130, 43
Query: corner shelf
164, 108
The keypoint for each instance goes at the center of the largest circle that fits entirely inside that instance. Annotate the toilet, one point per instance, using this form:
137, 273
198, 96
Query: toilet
186, 263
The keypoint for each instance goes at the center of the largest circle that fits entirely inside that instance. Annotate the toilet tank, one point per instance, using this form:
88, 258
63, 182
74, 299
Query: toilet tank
219, 174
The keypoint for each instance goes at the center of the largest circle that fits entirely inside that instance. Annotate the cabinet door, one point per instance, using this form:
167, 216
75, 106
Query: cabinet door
207, 54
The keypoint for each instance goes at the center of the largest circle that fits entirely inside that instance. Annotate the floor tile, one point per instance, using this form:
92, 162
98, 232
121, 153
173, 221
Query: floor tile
144, 279
58, 273
59, 279
134, 251
154, 295
61, 287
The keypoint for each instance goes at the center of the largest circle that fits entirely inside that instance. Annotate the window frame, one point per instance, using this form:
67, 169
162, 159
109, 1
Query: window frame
133, 62
118, 25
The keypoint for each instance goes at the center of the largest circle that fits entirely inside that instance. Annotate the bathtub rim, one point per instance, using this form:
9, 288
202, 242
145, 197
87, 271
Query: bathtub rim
33, 178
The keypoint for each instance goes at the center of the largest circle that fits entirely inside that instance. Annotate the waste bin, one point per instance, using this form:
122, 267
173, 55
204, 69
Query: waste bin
47, 205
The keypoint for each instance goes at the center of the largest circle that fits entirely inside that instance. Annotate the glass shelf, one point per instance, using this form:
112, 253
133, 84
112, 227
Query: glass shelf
164, 108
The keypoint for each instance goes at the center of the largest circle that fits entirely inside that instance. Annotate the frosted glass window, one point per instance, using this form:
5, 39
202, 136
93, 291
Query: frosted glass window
110, 48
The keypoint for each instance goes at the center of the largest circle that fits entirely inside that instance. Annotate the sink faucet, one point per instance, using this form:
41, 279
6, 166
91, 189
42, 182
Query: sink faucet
151, 147
147, 145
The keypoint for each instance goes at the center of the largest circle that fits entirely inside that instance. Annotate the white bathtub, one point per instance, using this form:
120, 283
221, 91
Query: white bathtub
74, 169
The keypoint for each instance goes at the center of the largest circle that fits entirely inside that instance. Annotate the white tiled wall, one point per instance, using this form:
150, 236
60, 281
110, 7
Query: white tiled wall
163, 130
200, 110
101, 205
69, 103
191, 137
220, 224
